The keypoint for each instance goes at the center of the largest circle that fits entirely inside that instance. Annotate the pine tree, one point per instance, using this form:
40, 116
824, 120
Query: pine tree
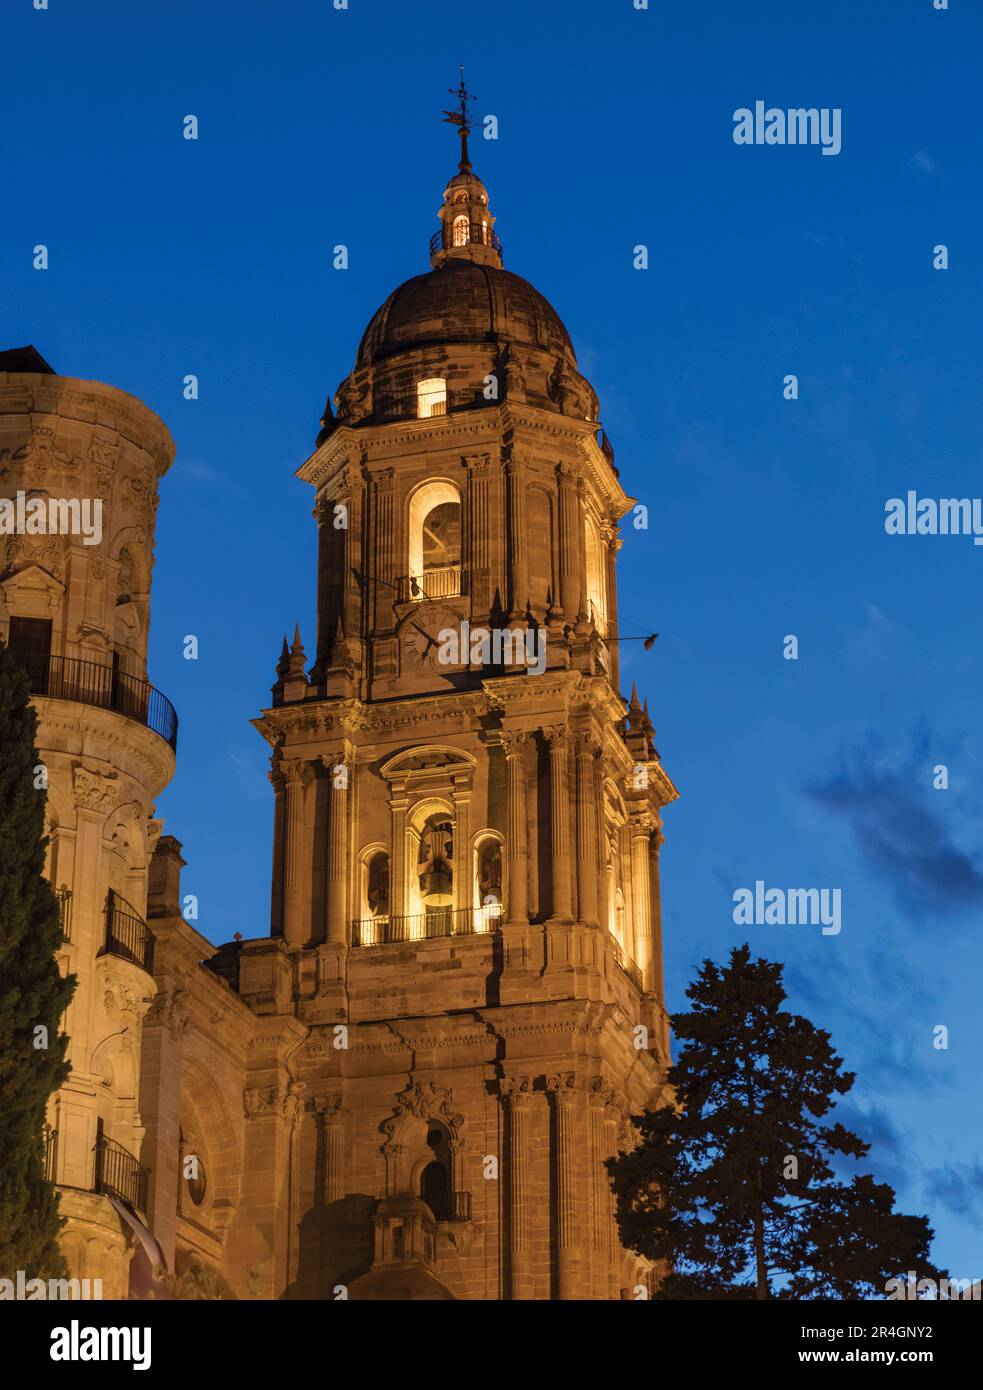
33, 995
732, 1186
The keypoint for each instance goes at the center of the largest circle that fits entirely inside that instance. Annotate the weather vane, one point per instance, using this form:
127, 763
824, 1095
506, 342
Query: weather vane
461, 117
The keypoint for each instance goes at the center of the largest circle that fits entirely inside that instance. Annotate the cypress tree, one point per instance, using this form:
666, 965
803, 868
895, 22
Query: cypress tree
732, 1185
33, 995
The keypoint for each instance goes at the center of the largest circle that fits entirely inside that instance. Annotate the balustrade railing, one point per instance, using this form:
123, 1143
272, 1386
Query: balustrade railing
624, 960
127, 934
64, 897
49, 1148
450, 1206
92, 683
444, 582
440, 921
118, 1174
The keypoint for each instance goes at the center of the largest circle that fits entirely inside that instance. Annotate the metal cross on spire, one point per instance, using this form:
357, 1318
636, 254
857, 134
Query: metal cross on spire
461, 117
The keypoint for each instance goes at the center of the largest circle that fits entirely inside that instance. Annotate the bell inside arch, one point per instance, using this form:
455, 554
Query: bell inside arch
434, 865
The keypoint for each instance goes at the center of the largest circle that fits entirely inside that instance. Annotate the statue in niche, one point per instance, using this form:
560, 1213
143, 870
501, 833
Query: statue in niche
378, 890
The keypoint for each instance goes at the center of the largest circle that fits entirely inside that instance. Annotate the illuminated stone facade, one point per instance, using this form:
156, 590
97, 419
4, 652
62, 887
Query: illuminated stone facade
407, 1087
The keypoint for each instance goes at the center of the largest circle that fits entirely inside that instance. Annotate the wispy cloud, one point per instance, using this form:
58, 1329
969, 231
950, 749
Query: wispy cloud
921, 159
902, 826
959, 1186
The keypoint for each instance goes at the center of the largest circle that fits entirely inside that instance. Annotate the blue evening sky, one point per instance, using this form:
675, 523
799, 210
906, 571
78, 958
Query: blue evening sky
319, 126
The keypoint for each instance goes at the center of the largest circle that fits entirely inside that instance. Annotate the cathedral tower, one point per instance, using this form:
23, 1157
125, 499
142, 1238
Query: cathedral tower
461, 998
79, 468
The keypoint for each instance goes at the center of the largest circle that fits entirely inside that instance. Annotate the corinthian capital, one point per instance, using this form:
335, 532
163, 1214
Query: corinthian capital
516, 1091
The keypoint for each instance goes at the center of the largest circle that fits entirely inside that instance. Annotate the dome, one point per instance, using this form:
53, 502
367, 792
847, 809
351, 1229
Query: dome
464, 302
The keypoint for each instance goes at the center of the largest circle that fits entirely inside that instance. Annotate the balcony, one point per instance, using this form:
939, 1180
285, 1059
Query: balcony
119, 1175
127, 934
64, 899
49, 1149
442, 921
410, 405
450, 1206
90, 683
444, 582
624, 960
471, 234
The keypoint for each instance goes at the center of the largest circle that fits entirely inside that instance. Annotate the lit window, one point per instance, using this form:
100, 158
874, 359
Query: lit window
461, 231
431, 397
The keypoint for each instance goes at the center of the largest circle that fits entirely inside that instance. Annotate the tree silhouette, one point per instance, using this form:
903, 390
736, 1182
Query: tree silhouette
732, 1186
33, 995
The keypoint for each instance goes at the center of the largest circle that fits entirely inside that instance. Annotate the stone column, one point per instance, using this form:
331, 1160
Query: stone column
514, 743
609, 531
339, 780
582, 548
613, 1118
562, 904
353, 497
279, 832
517, 1094
477, 555
463, 872
569, 542
385, 548
601, 1207
294, 895
640, 829
331, 1150
570, 1237
397, 857
601, 842
587, 870
518, 567
657, 982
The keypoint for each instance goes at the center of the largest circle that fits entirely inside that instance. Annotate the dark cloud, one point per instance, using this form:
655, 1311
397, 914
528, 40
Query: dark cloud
900, 824
959, 1186
889, 1159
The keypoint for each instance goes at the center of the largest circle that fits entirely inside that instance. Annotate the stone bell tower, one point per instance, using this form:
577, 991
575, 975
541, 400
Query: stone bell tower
461, 997
75, 611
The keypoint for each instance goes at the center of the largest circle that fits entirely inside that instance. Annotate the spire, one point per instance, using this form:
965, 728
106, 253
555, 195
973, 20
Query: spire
465, 222
461, 119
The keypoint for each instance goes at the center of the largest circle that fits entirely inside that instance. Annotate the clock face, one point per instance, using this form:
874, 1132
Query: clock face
420, 642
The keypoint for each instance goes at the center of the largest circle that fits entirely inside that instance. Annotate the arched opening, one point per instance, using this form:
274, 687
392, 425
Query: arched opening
435, 542
461, 230
488, 895
431, 397
597, 607
435, 1189
430, 871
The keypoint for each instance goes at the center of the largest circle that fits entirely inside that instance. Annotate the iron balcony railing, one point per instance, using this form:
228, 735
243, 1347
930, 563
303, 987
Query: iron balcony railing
446, 238
118, 1174
440, 921
425, 405
64, 897
49, 1149
450, 1206
91, 683
127, 934
624, 960
444, 582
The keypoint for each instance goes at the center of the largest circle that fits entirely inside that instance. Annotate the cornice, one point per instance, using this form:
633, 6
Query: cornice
41, 394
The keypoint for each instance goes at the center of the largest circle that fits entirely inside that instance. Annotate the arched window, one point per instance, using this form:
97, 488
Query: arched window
435, 1189
596, 577
435, 542
461, 231
431, 397
487, 883
429, 887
